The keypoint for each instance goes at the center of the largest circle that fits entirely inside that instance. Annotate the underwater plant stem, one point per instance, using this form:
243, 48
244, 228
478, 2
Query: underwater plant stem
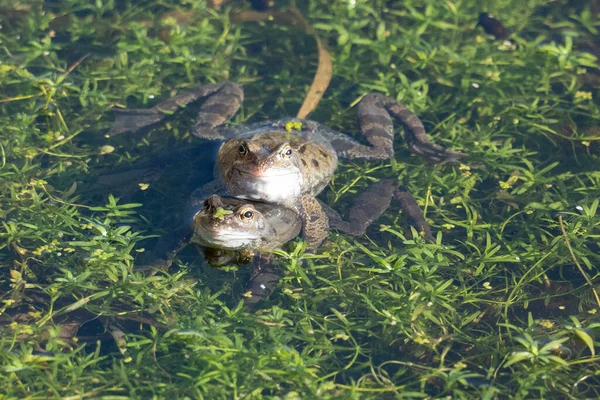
585, 276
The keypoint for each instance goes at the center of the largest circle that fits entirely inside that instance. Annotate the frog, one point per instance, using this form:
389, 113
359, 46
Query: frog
238, 226
291, 160
234, 224
237, 231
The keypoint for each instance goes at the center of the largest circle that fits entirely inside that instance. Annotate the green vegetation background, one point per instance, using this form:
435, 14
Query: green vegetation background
496, 308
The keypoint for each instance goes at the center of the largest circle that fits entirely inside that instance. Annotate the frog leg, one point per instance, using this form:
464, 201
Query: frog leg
374, 115
413, 211
199, 195
264, 279
376, 125
335, 219
372, 203
315, 223
218, 109
224, 99
169, 246
367, 207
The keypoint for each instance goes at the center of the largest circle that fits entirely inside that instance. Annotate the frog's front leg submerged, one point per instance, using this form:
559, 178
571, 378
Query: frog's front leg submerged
315, 222
265, 278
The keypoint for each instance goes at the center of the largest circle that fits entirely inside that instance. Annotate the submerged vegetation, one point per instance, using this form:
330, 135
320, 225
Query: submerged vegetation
502, 304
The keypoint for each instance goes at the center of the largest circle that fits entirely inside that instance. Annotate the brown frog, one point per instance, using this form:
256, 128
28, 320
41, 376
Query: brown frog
231, 231
228, 223
289, 161
235, 224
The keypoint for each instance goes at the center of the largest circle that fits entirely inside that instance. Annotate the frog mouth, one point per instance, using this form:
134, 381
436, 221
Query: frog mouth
223, 238
261, 174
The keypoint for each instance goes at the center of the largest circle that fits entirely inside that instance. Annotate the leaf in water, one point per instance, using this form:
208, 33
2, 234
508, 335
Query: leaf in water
319, 83
83, 301
107, 149
15, 275
516, 357
587, 339
553, 344
220, 213
78, 304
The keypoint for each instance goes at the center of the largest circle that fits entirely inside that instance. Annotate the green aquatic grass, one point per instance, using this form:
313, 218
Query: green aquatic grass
495, 308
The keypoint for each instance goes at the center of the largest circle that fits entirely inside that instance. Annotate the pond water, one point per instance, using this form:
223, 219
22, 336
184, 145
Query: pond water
501, 301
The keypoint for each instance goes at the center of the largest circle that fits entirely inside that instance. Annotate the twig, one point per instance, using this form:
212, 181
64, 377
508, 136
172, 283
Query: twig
76, 64
585, 276
324, 68
154, 345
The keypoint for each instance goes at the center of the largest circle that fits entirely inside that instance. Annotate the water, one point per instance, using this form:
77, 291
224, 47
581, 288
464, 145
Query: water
497, 307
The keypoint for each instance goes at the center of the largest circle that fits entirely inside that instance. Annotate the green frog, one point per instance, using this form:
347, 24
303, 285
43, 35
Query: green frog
289, 161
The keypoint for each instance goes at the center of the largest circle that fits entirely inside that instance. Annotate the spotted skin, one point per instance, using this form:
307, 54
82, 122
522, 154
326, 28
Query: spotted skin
307, 170
316, 225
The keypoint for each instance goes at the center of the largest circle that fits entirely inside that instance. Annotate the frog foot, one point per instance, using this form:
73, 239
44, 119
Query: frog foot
413, 211
264, 280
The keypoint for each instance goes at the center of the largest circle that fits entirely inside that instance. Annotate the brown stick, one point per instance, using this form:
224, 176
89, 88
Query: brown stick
324, 70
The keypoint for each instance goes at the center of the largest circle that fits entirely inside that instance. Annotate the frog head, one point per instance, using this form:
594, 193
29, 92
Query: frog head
230, 224
265, 167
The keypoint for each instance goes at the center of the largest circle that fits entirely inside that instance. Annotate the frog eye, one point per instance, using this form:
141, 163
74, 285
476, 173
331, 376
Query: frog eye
246, 214
286, 152
243, 149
